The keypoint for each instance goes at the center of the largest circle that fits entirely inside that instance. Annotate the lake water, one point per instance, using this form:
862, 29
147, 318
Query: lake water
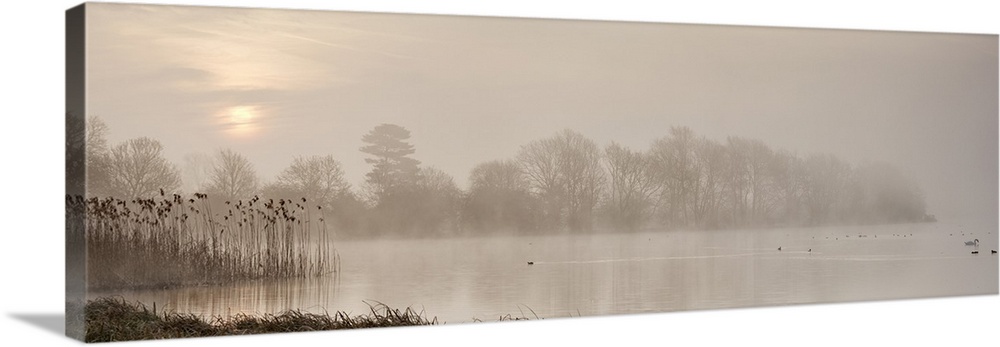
463, 279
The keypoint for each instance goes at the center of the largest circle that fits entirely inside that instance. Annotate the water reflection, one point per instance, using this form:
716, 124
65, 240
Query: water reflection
459, 280
252, 297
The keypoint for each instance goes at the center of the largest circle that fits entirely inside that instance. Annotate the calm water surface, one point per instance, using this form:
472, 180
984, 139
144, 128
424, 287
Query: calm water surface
462, 279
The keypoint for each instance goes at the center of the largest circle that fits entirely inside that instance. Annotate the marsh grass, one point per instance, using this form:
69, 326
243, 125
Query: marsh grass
510, 317
114, 319
172, 240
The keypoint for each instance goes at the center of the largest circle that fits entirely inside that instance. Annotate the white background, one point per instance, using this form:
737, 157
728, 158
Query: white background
31, 236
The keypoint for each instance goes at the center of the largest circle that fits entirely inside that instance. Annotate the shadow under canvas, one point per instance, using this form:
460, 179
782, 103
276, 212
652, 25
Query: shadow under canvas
52, 322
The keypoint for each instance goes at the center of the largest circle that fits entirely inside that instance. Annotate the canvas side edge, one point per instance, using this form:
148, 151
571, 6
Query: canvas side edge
75, 171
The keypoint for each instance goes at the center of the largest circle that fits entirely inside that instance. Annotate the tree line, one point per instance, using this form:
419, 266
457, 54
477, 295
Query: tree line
566, 182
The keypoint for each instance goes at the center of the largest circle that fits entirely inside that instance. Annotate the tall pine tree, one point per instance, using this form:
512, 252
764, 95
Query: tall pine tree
392, 169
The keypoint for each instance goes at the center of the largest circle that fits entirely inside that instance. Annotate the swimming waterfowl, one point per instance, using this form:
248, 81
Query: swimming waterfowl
972, 243
531, 263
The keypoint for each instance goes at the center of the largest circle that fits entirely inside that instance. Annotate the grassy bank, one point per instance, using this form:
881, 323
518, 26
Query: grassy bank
114, 319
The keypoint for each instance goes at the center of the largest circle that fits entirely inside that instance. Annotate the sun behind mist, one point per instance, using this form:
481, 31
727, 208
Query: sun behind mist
241, 120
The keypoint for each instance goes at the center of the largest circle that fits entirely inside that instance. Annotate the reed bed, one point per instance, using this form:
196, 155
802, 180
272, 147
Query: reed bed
114, 319
173, 240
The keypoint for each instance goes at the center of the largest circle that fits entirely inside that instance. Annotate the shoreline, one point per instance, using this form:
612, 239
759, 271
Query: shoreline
110, 319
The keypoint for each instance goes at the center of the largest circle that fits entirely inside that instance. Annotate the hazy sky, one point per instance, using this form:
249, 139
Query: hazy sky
274, 84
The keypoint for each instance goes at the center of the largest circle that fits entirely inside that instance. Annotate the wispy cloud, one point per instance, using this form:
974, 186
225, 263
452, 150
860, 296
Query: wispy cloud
233, 49
346, 47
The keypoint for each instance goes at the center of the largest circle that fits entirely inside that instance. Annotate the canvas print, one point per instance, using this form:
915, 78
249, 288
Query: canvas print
238, 171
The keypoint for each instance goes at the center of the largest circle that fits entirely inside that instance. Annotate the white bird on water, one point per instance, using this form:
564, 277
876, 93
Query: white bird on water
972, 243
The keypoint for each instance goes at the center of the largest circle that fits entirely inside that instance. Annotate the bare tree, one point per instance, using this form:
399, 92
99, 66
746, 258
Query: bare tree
98, 180
437, 198
632, 186
584, 178
826, 177
762, 185
566, 173
76, 159
674, 159
751, 192
498, 175
233, 177
318, 178
196, 171
97, 132
498, 197
539, 160
710, 158
137, 168
788, 177
427, 206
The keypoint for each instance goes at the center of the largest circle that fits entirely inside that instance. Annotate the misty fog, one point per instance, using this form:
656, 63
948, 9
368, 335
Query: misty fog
255, 161
299, 83
565, 182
